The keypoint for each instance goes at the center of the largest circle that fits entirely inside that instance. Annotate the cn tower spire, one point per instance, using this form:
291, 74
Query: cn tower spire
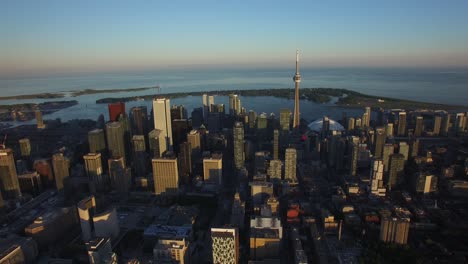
297, 61
297, 80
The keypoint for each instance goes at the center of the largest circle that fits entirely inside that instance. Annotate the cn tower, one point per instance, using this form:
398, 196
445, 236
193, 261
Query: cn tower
297, 80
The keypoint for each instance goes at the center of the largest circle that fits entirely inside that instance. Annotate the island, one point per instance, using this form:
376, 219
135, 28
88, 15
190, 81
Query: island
26, 111
33, 96
72, 93
94, 91
345, 98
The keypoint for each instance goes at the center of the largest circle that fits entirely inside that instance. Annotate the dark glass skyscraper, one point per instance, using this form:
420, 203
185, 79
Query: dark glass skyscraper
397, 163
115, 139
96, 140
140, 157
139, 120
154, 136
61, 166
185, 162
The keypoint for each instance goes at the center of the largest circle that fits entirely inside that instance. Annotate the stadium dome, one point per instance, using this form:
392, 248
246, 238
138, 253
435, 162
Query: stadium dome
317, 125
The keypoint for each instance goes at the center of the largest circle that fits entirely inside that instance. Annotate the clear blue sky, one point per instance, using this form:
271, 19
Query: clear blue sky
50, 36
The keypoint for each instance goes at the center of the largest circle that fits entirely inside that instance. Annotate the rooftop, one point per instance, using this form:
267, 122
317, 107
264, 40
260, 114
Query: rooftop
317, 125
166, 231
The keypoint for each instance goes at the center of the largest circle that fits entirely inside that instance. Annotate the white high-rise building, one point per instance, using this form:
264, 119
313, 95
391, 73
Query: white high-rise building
225, 245
206, 106
162, 121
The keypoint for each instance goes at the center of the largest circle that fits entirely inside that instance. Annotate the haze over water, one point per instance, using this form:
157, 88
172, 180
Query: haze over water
447, 86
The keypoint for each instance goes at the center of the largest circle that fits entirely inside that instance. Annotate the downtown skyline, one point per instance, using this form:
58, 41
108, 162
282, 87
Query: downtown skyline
52, 37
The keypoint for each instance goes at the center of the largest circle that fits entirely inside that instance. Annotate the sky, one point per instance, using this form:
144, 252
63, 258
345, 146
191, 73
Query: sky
78, 36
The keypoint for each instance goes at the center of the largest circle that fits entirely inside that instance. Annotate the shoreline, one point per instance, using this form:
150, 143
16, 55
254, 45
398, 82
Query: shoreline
26, 111
346, 98
72, 93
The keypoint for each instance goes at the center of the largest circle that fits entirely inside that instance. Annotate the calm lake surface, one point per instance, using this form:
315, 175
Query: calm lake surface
447, 86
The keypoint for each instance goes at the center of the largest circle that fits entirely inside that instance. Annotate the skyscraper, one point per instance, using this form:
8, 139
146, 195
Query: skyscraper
225, 245
211, 103
366, 117
275, 144
100, 251
172, 250
139, 120
197, 117
119, 175
239, 155
25, 147
185, 162
380, 117
154, 136
376, 175
404, 149
290, 164
419, 126
252, 119
96, 140
325, 126
445, 124
425, 182
394, 230
116, 109
397, 164
437, 125
165, 175
9, 184
285, 119
213, 169
414, 148
387, 151
195, 139
297, 80
30, 182
162, 121
178, 112
262, 124
206, 106
402, 124
351, 123
39, 121
214, 122
389, 130
61, 166
234, 105
180, 127
139, 155
93, 168
379, 141
116, 139
460, 123
274, 169
353, 143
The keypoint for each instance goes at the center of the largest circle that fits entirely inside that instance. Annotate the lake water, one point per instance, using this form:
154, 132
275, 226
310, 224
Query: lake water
447, 86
